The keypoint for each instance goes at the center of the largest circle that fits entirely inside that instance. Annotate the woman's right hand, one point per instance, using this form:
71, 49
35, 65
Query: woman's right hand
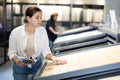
18, 62
22, 64
58, 32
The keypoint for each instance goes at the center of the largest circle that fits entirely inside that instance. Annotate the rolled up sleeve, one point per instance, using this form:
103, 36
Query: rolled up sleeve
46, 49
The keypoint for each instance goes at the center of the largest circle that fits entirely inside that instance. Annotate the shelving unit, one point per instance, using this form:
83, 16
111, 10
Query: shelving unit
3, 39
71, 15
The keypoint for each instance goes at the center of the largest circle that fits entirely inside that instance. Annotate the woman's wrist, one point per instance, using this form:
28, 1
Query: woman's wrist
17, 62
50, 57
53, 58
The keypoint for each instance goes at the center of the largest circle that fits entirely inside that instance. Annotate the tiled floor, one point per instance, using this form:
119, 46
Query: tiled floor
6, 71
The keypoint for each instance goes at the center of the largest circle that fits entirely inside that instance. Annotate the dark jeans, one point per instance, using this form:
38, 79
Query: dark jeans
21, 73
51, 46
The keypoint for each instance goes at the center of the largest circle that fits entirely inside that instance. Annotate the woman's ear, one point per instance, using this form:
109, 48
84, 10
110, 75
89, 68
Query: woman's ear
28, 18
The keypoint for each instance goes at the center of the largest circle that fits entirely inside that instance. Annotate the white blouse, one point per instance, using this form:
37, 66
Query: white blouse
18, 41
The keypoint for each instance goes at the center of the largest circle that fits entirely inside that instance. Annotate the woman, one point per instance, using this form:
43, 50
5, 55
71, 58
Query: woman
51, 31
29, 41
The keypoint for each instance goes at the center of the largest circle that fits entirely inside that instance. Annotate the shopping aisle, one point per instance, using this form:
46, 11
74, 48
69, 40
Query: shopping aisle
6, 71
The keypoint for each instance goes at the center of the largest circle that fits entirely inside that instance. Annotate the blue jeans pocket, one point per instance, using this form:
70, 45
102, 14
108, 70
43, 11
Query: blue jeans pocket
19, 69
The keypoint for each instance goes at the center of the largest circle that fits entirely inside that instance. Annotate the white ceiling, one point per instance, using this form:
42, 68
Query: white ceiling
99, 2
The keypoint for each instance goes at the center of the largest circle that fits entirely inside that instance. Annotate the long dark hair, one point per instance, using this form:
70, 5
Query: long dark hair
30, 11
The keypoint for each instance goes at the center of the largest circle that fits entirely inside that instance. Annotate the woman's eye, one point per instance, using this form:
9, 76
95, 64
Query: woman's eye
40, 17
37, 17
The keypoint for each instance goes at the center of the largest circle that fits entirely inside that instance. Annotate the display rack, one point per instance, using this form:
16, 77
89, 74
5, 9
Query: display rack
77, 14
3, 33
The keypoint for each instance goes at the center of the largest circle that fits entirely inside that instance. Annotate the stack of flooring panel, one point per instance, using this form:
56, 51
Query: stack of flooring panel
83, 65
79, 40
77, 30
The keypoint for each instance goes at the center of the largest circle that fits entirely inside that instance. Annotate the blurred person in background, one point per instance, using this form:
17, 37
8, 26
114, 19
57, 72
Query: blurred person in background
51, 31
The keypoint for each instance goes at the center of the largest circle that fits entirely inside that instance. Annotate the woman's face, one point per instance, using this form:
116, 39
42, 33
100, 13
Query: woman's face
55, 18
35, 20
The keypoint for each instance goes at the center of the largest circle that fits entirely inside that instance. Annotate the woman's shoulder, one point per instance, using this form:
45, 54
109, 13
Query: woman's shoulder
17, 29
42, 28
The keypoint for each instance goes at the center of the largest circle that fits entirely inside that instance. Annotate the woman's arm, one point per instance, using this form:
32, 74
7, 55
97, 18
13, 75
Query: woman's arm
47, 53
55, 32
12, 52
15, 59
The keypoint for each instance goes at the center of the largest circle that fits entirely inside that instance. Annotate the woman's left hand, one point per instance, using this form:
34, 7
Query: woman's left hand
59, 61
